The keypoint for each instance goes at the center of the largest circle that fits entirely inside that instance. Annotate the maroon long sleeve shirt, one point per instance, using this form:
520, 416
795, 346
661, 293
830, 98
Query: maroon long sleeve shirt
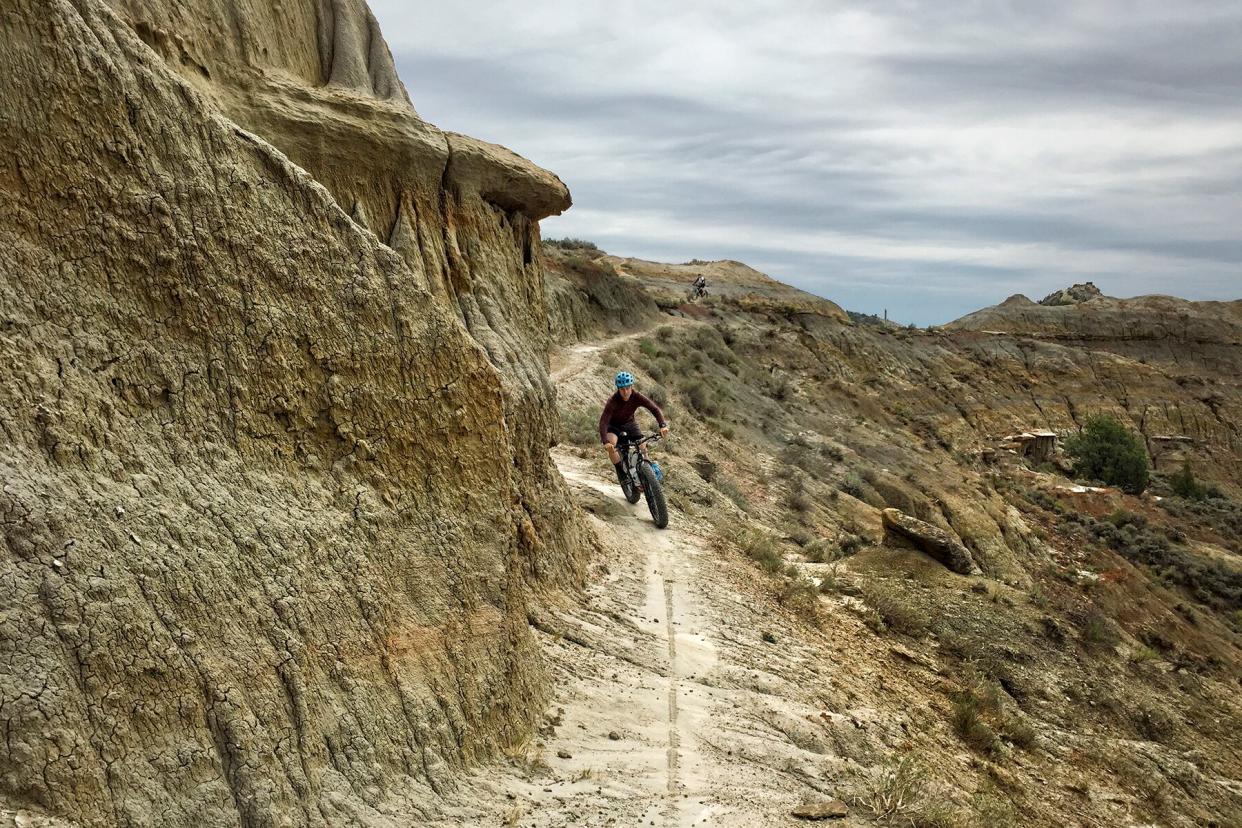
619, 412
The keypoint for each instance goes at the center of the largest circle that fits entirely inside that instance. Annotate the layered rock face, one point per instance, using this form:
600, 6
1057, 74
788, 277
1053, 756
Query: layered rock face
275, 485
1168, 366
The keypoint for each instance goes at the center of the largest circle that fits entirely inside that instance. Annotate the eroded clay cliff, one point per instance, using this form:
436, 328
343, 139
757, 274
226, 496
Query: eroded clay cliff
275, 483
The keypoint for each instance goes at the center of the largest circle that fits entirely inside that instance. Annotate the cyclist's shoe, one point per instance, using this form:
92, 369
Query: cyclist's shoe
659, 473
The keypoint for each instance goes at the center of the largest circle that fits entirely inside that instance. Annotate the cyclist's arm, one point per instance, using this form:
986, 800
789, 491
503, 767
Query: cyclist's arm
604, 419
647, 403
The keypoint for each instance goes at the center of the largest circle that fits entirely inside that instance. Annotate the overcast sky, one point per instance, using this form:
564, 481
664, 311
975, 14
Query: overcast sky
925, 157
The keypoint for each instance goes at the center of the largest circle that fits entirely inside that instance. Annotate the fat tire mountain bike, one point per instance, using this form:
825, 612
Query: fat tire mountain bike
641, 478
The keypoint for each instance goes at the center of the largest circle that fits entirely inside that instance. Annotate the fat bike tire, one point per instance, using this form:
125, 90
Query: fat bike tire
655, 496
632, 494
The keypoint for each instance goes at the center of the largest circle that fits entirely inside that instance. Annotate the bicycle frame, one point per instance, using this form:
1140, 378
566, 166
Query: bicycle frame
631, 449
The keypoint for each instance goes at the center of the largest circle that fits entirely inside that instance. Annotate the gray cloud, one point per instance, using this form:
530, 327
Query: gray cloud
928, 158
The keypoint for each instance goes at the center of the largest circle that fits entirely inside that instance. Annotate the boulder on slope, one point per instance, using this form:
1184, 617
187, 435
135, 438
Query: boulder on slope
936, 542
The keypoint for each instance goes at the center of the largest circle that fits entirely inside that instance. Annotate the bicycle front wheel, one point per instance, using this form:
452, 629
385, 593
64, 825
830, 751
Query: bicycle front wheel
655, 496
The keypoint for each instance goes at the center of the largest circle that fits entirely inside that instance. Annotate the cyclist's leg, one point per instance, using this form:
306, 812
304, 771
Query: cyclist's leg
611, 446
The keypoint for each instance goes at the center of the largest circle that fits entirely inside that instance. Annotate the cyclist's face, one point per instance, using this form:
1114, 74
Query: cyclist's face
626, 391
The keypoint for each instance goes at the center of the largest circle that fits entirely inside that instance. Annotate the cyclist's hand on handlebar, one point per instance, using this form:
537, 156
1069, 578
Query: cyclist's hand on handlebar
663, 431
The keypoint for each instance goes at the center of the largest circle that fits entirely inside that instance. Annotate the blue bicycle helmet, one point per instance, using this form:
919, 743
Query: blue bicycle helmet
625, 379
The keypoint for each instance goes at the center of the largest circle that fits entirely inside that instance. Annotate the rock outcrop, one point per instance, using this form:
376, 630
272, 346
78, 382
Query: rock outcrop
729, 280
275, 489
1073, 295
936, 542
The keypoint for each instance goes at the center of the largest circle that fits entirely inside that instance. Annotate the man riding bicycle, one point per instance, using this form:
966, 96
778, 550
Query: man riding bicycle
618, 418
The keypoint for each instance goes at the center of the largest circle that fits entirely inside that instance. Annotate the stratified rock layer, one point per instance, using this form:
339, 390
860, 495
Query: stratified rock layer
270, 514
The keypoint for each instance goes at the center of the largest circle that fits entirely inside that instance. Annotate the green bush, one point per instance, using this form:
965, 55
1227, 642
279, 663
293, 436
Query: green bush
1209, 581
572, 244
1106, 450
648, 348
1185, 485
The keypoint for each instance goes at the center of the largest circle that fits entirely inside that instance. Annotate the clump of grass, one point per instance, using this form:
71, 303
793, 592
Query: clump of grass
799, 594
730, 490
819, 551
1017, 731
990, 810
982, 719
1154, 723
1097, 631
761, 548
852, 485
900, 792
801, 536
578, 427
701, 398
968, 720
648, 348
800, 503
896, 609
658, 394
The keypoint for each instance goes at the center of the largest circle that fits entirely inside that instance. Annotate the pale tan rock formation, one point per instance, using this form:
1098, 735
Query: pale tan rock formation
275, 495
934, 541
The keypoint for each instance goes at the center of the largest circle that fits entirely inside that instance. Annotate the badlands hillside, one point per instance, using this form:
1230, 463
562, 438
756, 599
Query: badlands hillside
304, 522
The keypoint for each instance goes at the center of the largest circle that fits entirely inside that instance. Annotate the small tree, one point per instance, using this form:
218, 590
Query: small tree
1106, 450
1185, 485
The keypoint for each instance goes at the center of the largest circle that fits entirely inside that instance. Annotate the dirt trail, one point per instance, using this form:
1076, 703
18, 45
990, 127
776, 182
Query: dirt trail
569, 363
650, 725
670, 708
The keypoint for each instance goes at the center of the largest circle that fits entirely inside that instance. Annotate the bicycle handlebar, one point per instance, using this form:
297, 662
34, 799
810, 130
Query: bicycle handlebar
650, 438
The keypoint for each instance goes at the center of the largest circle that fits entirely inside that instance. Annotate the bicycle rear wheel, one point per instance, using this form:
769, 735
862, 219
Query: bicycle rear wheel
631, 491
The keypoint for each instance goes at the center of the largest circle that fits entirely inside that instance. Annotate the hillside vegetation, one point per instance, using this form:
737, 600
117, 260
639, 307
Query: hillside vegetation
1092, 671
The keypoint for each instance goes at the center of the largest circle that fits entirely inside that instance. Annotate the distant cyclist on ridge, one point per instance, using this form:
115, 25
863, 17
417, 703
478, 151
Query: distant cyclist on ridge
618, 418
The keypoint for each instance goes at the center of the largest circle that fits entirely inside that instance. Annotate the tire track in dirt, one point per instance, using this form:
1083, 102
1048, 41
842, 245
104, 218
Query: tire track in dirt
671, 811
